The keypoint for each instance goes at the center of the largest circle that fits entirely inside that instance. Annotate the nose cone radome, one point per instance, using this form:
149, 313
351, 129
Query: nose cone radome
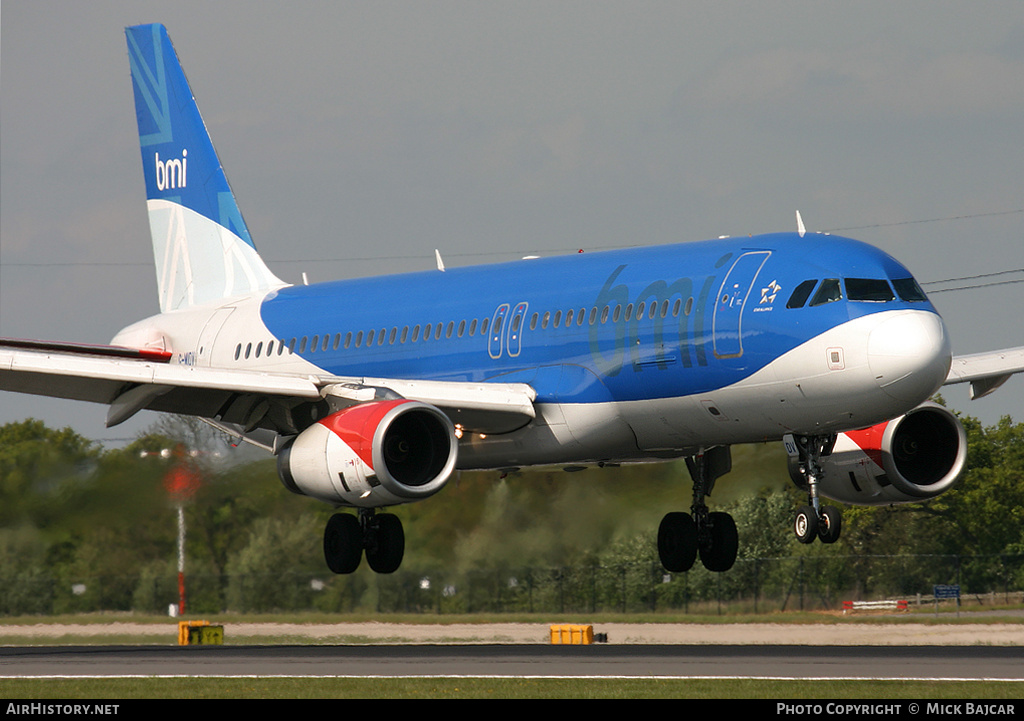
909, 354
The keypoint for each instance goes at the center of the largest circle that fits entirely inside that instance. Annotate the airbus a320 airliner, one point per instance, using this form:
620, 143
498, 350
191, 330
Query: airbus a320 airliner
372, 392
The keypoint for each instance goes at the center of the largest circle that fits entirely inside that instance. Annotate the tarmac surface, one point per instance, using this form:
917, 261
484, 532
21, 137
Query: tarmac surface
929, 663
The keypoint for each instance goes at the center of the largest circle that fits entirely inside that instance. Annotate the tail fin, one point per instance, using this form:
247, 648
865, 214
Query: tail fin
201, 245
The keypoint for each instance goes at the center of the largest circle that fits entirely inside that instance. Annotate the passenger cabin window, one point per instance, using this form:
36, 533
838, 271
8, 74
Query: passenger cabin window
909, 290
869, 289
801, 294
828, 292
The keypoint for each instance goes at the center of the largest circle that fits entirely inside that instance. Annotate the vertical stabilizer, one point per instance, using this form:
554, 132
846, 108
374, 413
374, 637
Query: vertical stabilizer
201, 245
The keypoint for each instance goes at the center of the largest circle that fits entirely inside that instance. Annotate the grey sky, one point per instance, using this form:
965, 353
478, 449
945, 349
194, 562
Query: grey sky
360, 136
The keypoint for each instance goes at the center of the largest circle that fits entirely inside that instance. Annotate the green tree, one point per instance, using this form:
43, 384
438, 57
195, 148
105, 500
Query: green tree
39, 469
984, 514
272, 571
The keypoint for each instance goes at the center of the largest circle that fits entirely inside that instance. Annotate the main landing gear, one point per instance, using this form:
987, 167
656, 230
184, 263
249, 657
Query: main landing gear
712, 535
813, 520
347, 536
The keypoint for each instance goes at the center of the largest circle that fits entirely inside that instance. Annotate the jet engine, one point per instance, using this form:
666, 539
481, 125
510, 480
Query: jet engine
380, 453
906, 460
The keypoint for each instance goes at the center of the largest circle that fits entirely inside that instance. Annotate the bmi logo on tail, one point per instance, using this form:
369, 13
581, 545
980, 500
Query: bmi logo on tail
171, 173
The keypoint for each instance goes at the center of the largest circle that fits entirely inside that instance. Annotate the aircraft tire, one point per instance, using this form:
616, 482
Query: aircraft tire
830, 524
343, 543
805, 526
385, 552
677, 542
721, 554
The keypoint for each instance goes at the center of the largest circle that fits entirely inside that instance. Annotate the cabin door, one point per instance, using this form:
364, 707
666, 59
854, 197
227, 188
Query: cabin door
727, 322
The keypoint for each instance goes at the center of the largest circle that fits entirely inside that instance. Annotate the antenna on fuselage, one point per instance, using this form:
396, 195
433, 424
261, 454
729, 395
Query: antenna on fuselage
437, 257
800, 229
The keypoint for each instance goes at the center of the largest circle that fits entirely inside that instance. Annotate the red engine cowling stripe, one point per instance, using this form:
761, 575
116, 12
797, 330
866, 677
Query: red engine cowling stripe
357, 425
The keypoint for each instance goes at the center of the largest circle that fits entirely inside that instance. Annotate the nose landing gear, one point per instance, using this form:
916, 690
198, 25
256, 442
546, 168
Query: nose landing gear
813, 520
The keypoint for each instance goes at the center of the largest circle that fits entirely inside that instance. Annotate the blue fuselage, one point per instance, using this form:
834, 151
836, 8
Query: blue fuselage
631, 325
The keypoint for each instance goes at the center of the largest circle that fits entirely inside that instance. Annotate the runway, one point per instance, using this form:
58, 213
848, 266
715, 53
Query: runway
523, 661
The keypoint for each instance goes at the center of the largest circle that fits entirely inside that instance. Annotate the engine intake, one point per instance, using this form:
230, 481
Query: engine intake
381, 453
906, 460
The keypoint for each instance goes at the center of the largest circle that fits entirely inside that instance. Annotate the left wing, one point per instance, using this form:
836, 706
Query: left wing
129, 380
986, 372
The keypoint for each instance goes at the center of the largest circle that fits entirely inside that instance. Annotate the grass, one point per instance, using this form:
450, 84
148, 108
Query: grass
477, 688
925, 615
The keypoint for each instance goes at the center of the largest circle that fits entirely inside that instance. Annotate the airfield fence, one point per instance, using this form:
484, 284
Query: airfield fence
759, 585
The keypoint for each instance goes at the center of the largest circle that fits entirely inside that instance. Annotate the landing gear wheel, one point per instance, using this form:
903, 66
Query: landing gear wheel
343, 543
813, 520
806, 524
677, 542
385, 543
720, 554
829, 524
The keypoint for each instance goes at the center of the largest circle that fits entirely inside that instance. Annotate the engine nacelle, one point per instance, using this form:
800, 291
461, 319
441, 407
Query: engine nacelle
906, 460
381, 453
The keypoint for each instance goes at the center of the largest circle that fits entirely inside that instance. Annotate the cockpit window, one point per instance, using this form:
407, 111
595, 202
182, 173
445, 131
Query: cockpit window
869, 289
828, 292
801, 294
909, 290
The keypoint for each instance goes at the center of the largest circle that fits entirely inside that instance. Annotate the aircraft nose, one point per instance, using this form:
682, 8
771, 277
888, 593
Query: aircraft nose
909, 354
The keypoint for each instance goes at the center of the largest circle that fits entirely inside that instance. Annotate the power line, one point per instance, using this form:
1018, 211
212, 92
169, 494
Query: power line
973, 286
927, 220
76, 264
569, 250
974, 277
980, 285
